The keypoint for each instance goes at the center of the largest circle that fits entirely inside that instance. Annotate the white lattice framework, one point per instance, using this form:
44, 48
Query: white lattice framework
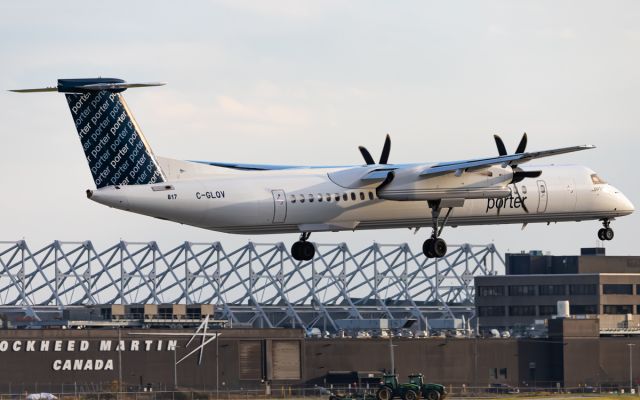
260, 284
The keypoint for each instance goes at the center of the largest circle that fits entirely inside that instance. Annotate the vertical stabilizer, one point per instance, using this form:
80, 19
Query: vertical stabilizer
113, 144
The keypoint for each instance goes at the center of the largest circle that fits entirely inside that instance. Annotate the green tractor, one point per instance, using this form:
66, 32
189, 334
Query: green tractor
390, 388
428, 391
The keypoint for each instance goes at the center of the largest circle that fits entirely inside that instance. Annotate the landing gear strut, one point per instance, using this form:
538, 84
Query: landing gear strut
605, 233
303, 250
435, 247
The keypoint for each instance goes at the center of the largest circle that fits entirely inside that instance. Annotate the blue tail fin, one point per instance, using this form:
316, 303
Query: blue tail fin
113, 144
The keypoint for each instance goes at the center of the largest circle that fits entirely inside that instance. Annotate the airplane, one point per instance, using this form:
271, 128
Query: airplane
266, 199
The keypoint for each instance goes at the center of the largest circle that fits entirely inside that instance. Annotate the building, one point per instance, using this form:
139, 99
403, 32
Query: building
594, 285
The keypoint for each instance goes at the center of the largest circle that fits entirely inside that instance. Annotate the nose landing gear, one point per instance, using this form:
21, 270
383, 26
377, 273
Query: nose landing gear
605, 233
303, 250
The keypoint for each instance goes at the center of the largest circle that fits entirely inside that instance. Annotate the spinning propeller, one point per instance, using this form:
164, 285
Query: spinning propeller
384, 157
518, 173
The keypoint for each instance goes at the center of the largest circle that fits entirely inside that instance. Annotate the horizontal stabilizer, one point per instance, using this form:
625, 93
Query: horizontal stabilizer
37, 90
88, 85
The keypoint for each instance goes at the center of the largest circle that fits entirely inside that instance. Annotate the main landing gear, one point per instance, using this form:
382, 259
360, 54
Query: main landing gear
303, 250
436, 247
605, 233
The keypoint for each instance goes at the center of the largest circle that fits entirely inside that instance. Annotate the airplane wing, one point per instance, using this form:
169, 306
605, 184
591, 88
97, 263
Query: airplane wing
510, 159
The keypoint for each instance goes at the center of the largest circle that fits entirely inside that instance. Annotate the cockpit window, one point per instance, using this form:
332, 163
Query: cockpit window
597, 180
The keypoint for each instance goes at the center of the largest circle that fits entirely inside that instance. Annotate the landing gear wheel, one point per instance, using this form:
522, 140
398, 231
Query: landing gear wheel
296, 250
427, 248
605, 233
434, 248
608, 234
384, 393
308, 251
439, 247
410, 395
303, 250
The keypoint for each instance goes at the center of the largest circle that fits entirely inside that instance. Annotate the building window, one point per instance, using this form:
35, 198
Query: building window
579, 309
582, 290
546, 310
487, 291
617, 289
497, 373
520, 311
618, 309
491, 311
522, 290
552, 290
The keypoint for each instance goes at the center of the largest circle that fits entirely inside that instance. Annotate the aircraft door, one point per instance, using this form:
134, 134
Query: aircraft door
279, 206
543, 197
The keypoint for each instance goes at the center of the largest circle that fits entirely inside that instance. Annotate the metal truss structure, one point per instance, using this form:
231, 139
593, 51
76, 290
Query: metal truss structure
256, 284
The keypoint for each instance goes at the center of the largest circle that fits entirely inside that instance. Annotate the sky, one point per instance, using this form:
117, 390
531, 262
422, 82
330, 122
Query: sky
307, 82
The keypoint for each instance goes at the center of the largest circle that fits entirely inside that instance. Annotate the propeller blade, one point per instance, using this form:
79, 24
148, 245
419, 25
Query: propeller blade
386, 149
523, 144
519, 175
502, 150
367, 156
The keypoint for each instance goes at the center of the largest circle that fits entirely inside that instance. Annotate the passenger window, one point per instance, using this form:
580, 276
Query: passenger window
370, 195
319, 198
301, 198
344, 197
337, 197
293, 198
353, 196
328, 196
310, 198
524, 189
361, 196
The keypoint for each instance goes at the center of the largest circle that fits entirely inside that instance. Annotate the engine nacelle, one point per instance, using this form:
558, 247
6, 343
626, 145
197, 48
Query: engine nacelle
409, 185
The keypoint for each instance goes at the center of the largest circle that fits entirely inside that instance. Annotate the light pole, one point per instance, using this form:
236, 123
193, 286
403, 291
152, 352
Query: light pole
630, 366
175, 370
217, 366
119, 362
393, 366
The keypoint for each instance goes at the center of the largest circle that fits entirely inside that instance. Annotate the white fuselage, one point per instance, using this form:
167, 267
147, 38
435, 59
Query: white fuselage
310, 200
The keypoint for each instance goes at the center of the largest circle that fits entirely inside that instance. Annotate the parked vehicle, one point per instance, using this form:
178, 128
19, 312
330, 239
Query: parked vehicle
502, 388
390, 388
428, 391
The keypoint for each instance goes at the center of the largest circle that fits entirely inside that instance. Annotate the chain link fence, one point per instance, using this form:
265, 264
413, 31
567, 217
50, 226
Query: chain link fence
108, 391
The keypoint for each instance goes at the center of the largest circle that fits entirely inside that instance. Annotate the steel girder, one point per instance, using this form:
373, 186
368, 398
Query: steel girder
258, 284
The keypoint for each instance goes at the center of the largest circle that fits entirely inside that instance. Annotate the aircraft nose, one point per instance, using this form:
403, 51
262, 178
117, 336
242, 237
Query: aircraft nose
623, 203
